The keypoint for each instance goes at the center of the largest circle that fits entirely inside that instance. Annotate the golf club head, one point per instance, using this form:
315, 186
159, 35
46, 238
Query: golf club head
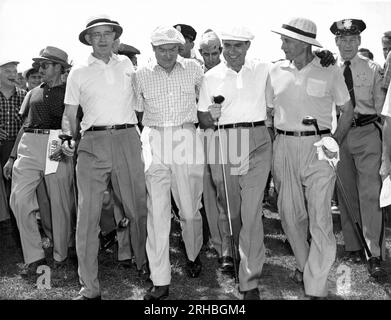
309, 121
218, 99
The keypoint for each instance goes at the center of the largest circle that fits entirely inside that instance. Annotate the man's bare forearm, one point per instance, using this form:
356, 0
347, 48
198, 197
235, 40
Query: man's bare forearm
344, 122
69, 121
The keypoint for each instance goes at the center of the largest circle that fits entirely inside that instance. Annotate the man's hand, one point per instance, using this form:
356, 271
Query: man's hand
7, 170
326, 57
68, 148
3, 135
57, 155
385, 169
215, 111
329, 154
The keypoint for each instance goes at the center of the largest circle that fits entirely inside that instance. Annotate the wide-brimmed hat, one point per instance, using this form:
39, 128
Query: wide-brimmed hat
102, 20
53, 54
301, 29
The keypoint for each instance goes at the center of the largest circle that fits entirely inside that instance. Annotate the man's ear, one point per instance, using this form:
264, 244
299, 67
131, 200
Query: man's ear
359, 40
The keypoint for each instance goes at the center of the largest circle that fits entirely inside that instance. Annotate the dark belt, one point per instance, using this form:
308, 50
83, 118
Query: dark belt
241, 125
302, 133
37, 131
365, 119
113, 127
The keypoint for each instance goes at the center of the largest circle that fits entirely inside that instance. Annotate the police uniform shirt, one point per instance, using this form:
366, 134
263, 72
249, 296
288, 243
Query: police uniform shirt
367, 84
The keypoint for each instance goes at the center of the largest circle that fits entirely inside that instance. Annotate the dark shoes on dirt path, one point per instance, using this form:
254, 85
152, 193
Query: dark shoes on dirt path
157, 293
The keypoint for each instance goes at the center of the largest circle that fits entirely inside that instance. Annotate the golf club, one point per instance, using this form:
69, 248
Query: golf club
308, 120
219, 100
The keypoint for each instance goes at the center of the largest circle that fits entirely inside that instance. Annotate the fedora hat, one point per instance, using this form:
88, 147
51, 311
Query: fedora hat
53, 54
100, 21
301, 29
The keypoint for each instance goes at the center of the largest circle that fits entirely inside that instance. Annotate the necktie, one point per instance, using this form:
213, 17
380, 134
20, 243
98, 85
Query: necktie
347, 73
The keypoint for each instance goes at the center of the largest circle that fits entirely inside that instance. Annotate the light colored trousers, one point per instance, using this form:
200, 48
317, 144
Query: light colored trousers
27, 173
218, 223
305, 187
105, 155
246, 181
177, 166
358, 169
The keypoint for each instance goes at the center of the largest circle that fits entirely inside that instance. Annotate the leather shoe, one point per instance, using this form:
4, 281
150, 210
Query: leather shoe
30, 269
81, 297
375, 269
354, 256
226, 265
297, 276
157, 293
194, 267
252, 294
144, 272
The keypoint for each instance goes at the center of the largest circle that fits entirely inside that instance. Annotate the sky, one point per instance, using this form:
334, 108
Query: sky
27, 26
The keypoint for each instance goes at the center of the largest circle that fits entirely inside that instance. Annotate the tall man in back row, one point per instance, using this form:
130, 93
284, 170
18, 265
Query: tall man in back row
299, 86
109, 149
362, 148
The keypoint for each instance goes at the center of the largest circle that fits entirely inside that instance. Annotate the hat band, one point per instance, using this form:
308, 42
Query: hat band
54, 58
301, 32
99, 21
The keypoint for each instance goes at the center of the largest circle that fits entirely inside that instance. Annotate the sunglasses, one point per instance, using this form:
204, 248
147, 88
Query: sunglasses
45, 65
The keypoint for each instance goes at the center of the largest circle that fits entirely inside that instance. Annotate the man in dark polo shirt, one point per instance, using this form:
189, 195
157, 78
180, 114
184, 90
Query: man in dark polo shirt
44, 106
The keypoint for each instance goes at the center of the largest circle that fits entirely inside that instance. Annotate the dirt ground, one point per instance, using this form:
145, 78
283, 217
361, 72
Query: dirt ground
346, 282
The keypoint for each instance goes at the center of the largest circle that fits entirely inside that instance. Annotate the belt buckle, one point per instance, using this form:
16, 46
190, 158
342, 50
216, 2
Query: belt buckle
296, 133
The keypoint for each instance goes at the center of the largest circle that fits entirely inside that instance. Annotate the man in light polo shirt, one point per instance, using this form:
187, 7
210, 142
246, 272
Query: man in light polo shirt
241, 117
298, 87
109, 149
166, 91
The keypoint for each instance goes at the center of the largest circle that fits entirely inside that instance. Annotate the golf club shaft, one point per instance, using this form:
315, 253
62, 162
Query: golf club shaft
351, 215
233, 246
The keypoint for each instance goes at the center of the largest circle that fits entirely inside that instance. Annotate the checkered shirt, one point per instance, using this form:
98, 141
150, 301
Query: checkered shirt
10, 119
168, 99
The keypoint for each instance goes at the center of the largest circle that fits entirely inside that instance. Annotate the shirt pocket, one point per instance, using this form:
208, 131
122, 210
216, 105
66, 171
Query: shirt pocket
316, 88
362, 87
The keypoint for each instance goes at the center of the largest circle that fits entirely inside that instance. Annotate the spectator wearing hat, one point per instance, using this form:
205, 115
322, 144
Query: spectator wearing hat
386, 44
33, 78
130, 52
361, 150
109, 149
11, 98
241, 119
44, 106
190, 35
300, 87
166, 92
210, 49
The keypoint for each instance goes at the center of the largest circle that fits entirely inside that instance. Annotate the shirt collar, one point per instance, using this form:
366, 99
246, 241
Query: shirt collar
92, 59
246, 65
353, 61
44, 84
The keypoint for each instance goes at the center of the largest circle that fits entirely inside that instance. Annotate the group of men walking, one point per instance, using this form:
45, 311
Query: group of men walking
226, 161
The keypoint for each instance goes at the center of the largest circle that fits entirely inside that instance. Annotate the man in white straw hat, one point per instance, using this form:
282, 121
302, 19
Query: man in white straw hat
166, 92
238, 124
300, 87
43, 109
109, 149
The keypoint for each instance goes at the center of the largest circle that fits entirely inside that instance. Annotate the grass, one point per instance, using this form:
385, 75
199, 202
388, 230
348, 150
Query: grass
118, 283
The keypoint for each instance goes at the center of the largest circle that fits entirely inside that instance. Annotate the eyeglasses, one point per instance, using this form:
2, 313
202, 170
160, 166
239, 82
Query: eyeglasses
98, 35
45, 65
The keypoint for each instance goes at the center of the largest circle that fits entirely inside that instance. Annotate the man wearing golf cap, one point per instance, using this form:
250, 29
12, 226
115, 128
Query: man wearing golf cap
166, 92
300, 87
239, 129
109, 149
11, 98
44, 106
361, 150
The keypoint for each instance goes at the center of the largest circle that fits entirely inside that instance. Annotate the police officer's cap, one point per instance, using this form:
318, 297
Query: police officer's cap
187, 31
348, 27
127, 50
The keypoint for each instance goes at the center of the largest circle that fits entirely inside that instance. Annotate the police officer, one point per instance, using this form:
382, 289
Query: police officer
361, 149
